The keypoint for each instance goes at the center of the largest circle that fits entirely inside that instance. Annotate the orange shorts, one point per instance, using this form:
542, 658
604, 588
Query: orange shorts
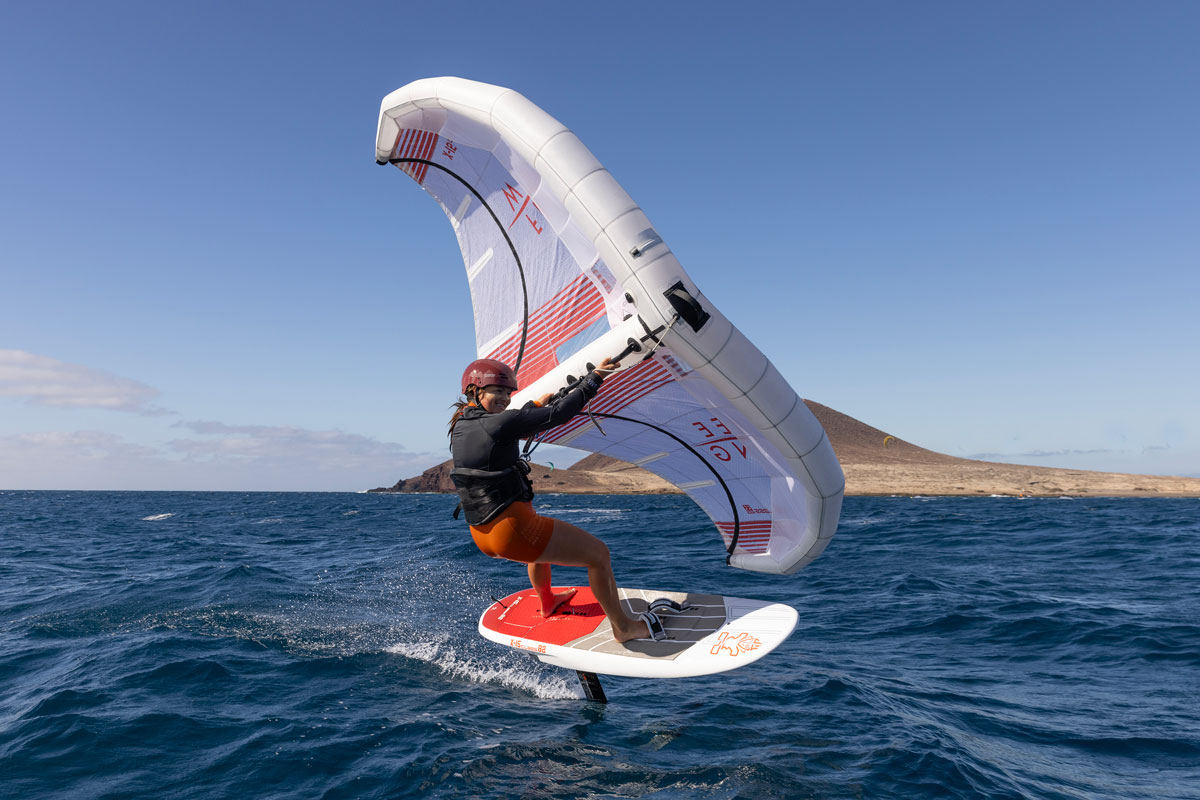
518, 534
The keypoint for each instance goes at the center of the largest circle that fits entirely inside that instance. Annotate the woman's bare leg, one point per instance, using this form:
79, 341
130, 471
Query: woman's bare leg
539, 576
571, 546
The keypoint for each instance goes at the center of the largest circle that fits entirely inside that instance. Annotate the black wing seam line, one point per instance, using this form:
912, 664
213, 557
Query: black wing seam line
520, 269
737, 525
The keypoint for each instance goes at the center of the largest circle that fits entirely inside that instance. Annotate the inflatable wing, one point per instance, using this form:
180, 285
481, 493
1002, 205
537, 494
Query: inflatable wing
564, 270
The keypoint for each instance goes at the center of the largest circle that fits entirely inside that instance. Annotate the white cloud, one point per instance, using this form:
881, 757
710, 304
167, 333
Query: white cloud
215, 456
77, 460
49, 382
281, 445
223, 457
83, 445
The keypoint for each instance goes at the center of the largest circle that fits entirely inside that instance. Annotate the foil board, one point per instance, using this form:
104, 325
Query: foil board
711, 634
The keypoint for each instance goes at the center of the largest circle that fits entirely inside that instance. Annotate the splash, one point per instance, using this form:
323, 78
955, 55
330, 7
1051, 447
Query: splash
505, 671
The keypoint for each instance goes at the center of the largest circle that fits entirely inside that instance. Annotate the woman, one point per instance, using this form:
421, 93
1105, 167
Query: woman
496, 493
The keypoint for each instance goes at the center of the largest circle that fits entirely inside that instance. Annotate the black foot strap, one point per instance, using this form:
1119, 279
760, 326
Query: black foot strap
666, 604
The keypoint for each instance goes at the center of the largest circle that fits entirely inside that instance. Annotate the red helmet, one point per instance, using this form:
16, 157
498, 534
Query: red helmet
488, 372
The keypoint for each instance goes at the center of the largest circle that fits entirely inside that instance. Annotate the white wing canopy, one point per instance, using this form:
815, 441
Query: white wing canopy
565, 269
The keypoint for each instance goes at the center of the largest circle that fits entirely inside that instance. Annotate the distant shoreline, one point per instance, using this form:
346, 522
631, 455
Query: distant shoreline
876, 464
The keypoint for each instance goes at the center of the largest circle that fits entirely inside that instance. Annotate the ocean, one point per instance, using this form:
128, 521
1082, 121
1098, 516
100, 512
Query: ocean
294, 645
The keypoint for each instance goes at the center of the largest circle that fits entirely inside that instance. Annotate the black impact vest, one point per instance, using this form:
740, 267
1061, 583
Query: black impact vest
489, 473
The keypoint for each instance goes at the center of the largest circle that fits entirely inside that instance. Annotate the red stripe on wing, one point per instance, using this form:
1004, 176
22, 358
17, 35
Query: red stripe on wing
575, 307
616, 394
754, 535
413, 143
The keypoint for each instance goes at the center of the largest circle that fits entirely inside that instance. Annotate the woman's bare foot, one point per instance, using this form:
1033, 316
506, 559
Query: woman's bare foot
556, 601
630, 629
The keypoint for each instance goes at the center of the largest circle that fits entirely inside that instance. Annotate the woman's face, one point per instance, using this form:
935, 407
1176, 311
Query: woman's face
494, 399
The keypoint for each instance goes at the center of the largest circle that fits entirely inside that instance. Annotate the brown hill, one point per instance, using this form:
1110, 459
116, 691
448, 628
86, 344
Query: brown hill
601, 475
875, 463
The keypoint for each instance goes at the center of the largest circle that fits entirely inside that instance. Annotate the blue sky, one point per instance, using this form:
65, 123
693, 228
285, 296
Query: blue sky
974, 226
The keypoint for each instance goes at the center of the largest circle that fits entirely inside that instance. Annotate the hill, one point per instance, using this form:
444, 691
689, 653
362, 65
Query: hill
875, 463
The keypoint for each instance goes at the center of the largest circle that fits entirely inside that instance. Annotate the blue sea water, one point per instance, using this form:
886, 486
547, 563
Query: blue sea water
206, 645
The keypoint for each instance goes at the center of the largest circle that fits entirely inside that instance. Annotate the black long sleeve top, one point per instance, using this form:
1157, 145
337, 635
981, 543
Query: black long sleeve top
491, 442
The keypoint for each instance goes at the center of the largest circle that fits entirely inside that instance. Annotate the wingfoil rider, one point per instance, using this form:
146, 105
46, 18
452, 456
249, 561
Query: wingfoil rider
493, 483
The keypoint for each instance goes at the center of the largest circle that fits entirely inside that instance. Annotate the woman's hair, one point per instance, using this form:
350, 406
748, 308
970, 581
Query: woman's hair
459, 405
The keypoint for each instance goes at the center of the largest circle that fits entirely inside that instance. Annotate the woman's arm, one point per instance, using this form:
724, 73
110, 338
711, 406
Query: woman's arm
523, 422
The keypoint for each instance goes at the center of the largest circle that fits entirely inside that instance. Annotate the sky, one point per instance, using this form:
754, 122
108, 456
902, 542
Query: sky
973, 226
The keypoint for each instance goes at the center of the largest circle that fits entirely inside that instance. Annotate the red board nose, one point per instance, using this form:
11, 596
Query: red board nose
578, 617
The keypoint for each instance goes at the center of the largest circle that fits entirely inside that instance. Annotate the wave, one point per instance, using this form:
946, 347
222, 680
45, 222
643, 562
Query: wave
499, 669
949, 647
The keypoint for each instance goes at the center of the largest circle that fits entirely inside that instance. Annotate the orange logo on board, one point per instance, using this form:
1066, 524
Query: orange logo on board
735, 643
